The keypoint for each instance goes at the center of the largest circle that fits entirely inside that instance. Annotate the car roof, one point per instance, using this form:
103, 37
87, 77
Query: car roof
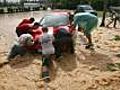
59, 13
84, 5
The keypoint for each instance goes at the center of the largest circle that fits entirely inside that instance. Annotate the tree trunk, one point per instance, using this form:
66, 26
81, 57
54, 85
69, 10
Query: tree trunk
104, 14
103, 19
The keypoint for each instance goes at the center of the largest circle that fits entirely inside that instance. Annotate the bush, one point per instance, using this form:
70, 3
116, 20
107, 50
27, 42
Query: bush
10, 10
1, 11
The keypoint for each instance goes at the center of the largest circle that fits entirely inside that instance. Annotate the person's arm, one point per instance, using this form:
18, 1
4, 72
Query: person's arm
53, 38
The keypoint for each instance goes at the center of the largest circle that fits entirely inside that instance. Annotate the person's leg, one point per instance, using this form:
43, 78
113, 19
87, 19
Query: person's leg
45, 67
72, 50
90, 44
12, 53
89, 38
69, 44
16, 50
57, 46
90, 25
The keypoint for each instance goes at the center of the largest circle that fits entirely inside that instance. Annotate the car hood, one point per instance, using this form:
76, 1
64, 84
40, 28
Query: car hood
53, 30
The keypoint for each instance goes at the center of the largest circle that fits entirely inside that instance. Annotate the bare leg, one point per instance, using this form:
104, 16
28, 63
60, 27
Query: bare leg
89, 41
45, 69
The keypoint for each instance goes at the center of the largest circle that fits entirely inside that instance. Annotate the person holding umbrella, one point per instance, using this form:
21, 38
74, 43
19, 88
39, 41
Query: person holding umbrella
86, 22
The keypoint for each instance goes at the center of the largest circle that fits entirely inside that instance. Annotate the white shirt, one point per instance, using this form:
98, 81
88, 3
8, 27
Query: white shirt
47, 43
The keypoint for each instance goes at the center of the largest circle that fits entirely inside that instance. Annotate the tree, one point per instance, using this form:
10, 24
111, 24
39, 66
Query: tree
104, 13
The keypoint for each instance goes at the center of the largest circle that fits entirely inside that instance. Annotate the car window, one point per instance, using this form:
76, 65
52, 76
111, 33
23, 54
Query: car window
88, 8
54, 20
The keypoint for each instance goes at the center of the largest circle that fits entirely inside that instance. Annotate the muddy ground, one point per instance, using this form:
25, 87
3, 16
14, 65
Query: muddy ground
84, 70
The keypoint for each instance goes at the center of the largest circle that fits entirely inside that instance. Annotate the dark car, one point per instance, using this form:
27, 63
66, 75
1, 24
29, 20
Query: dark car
85, 8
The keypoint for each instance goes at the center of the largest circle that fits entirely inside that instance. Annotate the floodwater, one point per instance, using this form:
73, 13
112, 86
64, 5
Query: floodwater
8, 23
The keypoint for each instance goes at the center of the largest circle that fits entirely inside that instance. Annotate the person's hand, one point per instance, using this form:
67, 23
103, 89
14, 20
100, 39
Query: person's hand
30, 30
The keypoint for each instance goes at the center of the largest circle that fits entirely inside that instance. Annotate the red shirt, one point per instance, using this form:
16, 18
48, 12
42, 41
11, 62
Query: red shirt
24, 27
36, 33
25, 21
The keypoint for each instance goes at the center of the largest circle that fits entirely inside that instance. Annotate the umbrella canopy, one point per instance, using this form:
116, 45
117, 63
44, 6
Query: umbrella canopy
86, 21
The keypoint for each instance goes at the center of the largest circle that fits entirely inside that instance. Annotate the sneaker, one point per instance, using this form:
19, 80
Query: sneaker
89, 46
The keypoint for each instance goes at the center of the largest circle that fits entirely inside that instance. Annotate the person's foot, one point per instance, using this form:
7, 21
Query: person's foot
107, 26
59, 58
46, 76
89, 46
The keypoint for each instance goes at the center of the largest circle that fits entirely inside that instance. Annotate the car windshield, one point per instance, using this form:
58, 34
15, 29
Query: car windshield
54, 20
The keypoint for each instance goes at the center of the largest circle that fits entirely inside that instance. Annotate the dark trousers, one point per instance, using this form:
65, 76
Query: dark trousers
46, 60
61, 42
16, 50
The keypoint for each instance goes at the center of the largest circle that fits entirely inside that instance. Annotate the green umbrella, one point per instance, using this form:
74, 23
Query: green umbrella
86, 21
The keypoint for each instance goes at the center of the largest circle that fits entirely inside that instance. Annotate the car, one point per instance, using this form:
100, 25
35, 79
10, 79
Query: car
58, 24
85, 8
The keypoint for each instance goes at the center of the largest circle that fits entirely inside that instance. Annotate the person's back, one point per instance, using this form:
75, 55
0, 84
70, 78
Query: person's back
47, 43
86, 21
26, 21
24, 26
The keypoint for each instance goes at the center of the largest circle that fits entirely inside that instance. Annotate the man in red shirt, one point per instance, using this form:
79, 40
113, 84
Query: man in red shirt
24, 26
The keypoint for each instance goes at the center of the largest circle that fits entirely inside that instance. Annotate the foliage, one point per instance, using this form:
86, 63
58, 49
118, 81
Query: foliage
97, 4
71, 4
